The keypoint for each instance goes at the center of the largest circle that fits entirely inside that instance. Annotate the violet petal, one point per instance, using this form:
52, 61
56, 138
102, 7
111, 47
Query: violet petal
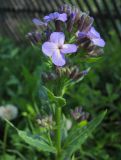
48, 48
47, 19
58, 59
82, 34
58, 38
62, 17
38, 22
51, 16
99, 42
93, 33
54, 15
69, 48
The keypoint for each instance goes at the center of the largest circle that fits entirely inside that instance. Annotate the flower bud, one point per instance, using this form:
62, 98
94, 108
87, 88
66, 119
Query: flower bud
68, 9
70, 22
96, 52
79, 115
45, 121
34, 37
85, 23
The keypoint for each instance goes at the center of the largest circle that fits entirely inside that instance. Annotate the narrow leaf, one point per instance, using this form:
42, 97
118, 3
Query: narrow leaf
79, 135
36, 141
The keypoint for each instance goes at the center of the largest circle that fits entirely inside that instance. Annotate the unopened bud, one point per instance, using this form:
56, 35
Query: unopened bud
34, 37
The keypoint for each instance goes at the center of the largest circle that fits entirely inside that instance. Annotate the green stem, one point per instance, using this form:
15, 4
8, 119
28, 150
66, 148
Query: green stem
5, 137
58, 132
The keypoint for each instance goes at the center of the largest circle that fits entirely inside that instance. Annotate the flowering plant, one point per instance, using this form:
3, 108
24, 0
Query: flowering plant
66, 37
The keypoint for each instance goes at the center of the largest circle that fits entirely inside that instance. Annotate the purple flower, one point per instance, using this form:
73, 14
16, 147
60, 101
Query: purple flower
38, 22
76, 113
56, 48
93, 35
56, 16
85, 72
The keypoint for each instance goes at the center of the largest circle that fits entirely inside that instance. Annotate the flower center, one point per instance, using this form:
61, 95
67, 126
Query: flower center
60, 47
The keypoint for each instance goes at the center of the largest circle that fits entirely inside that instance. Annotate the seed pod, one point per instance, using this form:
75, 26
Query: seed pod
96, 52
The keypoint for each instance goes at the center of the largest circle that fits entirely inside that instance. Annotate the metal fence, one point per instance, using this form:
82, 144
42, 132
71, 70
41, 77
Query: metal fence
16, 15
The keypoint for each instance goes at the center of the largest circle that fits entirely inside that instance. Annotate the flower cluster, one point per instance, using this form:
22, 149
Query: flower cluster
79, 115
71, 72
72, 31
45, 121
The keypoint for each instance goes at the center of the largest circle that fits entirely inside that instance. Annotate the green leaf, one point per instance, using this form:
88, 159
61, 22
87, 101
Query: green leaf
59, 101
13, 81
72, 40
37, 141
93, 59
78, 136
14, 52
